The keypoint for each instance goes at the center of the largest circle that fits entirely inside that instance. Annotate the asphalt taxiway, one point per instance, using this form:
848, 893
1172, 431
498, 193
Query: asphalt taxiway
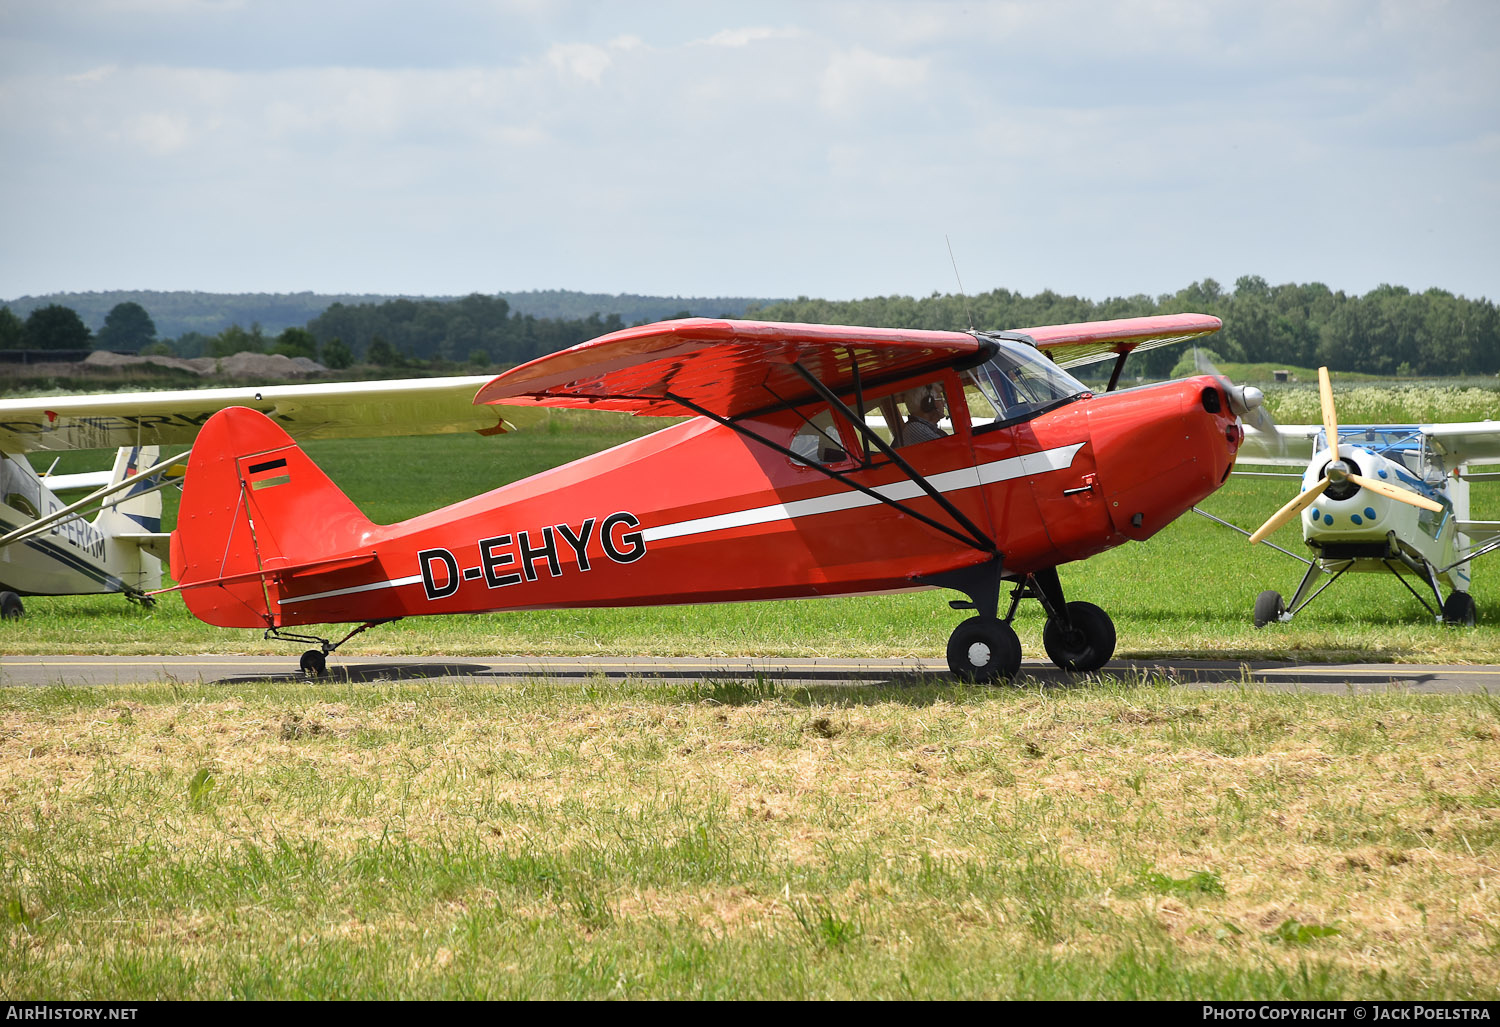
89, 671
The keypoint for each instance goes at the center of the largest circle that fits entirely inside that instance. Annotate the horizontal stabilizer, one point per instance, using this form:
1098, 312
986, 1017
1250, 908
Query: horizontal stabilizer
1479, 530
157, 543
302, 572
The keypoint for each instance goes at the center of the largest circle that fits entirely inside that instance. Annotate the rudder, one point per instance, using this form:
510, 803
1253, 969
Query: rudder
253, 502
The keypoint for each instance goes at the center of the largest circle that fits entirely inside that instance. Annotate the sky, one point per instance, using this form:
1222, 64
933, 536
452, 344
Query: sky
818, 147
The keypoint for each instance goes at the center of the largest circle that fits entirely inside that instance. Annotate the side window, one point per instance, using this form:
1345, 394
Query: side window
982, 409
924, 414
817, 441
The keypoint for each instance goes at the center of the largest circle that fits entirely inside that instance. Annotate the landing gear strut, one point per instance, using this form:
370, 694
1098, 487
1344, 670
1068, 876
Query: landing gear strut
1078, 636
984, 650
314, 663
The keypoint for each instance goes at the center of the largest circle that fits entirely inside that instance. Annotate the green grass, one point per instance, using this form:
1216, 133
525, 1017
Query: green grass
652, 840
1187, 592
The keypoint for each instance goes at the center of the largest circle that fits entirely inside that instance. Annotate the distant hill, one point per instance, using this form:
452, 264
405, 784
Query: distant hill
175, 313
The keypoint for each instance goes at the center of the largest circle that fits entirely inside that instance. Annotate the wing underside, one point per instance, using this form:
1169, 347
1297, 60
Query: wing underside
419, 406
735, 367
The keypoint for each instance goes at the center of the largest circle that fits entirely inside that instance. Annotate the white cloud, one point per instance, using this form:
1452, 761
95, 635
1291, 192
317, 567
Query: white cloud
92, 75
160, 133
853, 77
582, 60
746, 36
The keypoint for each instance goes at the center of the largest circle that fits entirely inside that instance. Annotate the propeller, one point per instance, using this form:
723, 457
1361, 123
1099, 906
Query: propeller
1247, 402
1337, 471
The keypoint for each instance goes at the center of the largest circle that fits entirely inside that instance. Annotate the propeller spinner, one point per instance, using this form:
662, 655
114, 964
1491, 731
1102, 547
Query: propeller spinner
1337, 472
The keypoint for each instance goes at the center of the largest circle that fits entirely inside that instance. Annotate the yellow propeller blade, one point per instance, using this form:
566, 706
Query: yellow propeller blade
1302, 501
1395, 492
1330, 419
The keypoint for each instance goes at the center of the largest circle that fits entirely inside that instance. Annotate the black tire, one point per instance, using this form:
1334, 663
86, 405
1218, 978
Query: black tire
10, 606
1085, 646
1459, 610
1268, 608
984, 650
314, 663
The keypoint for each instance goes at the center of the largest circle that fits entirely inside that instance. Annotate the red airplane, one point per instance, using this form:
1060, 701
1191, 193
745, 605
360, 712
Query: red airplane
799, 477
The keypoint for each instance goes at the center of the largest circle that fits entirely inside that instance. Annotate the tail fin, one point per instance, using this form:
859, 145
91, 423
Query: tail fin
131, 518
254, 506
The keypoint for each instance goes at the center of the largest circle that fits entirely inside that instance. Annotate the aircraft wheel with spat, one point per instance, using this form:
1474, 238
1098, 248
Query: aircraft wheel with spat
1459, 610
984, 650
314, 663
10, 606
1268, 608
1085, 646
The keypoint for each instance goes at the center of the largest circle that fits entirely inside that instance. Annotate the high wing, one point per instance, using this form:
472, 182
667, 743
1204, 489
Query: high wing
1471, 442
1091, 341
1290, 446
731, 368
1467, 442
414, 406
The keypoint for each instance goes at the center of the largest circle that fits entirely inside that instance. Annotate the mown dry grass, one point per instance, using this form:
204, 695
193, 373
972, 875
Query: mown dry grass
644, 839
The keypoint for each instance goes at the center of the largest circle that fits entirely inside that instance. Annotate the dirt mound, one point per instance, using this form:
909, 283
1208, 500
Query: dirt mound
268, 365
104, 358
241, 365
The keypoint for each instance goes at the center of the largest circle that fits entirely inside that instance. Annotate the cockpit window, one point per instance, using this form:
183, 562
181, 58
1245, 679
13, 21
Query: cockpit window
818, 440
1016, 383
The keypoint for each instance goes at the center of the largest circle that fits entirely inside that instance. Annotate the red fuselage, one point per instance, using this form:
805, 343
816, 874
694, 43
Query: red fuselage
696, 513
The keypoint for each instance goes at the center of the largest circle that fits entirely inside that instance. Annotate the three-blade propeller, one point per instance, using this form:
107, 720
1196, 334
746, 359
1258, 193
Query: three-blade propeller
1337, 471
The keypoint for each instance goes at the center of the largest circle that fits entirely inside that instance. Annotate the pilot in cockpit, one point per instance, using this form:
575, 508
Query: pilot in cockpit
925, 407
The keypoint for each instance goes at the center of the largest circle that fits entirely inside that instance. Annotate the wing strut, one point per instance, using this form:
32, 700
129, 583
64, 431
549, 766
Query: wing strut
984, 542
984, 545
1114, 376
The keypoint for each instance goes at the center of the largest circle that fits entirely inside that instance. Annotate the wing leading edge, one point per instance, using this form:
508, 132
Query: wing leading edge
415, 406
735, 367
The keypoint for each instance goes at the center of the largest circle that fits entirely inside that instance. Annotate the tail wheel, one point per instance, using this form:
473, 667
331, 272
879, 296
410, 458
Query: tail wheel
314, 663
1268, 608
984, 650
10, 606
1084, 646
1459, 610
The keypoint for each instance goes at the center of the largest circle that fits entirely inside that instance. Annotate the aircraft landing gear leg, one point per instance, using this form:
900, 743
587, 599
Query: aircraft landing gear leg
984, 650
1459, 610
10, 606
1078, 636
1268, 608
314, 662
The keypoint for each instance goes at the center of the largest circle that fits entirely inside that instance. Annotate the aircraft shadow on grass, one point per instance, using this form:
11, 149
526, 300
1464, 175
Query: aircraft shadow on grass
742, 685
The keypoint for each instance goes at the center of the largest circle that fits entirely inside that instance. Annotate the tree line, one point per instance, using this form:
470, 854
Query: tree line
1388, 331
176, 313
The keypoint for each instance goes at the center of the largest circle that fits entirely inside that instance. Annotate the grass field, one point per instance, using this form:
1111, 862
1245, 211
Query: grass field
737, 840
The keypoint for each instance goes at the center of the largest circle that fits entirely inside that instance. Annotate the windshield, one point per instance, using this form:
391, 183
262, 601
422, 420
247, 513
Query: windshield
1018, 382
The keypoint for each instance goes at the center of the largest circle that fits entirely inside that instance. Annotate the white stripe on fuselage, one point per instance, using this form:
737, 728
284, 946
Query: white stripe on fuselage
948, 481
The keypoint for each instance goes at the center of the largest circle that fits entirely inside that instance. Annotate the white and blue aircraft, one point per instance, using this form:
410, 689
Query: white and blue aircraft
1381, 498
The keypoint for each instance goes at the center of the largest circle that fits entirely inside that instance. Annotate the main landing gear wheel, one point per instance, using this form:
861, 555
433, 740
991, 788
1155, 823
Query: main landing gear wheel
1268, 608
1084, 646
984, 650
10, 606
314, 663
1459, 610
